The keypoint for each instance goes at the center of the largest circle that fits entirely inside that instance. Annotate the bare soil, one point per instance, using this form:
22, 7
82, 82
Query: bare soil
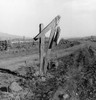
73, 78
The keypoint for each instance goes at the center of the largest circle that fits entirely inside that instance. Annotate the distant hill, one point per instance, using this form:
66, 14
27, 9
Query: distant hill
5, 36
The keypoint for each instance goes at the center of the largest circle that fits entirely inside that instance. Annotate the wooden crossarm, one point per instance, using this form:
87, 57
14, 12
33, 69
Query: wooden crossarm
53, 23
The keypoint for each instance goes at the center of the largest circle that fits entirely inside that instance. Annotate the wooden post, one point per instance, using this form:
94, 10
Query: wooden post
41, 49
56, 37
53, 39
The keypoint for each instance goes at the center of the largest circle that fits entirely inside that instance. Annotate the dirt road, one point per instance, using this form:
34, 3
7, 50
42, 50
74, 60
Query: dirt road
14, 63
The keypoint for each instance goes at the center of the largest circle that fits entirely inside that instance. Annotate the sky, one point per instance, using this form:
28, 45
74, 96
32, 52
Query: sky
22, 17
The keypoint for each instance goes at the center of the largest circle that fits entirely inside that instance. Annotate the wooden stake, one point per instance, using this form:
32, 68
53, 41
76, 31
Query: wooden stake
41, 49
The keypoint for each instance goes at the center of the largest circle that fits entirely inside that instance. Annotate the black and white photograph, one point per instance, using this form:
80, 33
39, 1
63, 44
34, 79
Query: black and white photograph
47, 49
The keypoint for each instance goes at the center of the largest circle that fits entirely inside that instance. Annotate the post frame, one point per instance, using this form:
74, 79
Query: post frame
54, 35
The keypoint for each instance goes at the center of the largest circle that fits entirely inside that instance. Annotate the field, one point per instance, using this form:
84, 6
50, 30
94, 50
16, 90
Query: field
70, 76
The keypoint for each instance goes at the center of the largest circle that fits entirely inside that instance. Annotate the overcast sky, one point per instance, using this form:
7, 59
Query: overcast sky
22, 17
